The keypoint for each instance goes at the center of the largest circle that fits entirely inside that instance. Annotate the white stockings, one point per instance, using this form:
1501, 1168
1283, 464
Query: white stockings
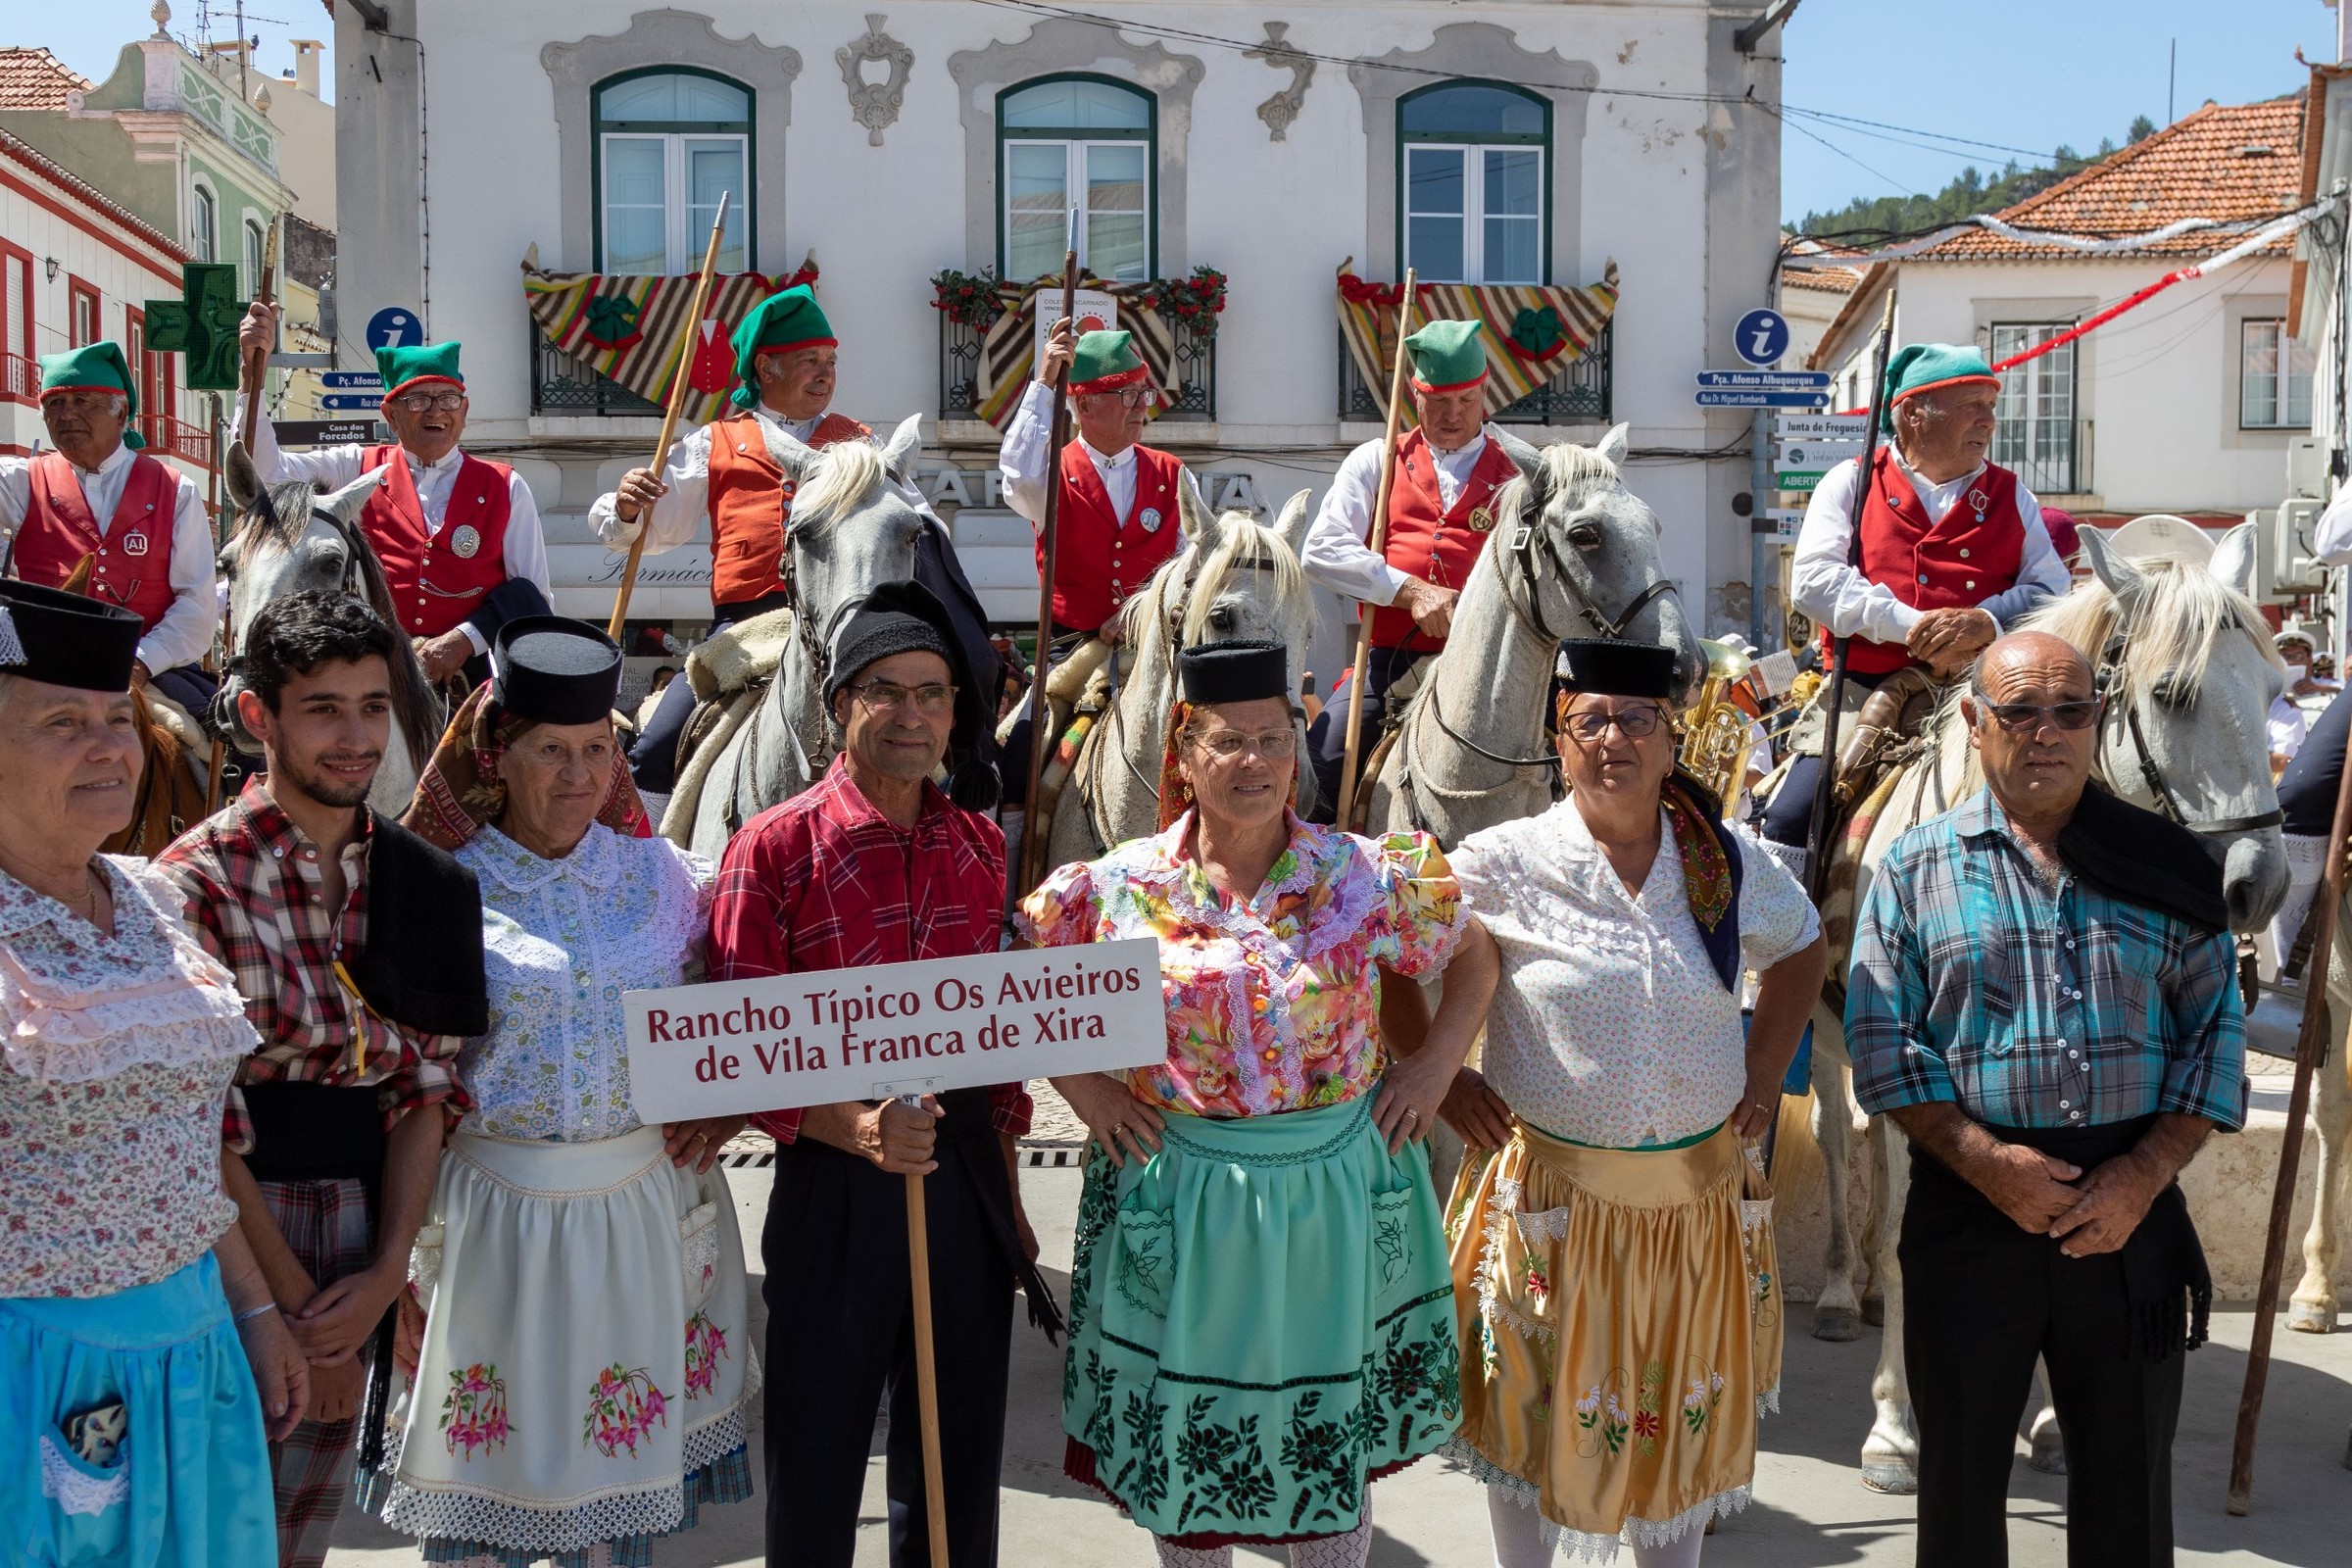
1519, 1542
1329, 1551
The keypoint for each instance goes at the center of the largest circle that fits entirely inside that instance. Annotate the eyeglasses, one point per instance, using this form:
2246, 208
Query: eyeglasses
887, 696
1633, 723
2024, 718
1134, 397
426, 401
1274, 745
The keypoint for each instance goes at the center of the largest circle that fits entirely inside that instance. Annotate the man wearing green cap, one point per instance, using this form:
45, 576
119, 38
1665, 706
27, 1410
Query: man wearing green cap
140, 522
727, 473
459, 535
1949, 551
1441, 509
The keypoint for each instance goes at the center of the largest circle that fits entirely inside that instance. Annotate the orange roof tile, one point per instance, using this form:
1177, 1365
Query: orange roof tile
1826, 279
2238, 164
35, 79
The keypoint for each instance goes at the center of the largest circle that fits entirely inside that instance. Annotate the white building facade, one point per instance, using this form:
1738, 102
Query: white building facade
593, 138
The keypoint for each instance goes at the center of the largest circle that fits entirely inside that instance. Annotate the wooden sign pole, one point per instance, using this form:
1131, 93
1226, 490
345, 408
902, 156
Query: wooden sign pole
670, 417
1380, 543
926, 1362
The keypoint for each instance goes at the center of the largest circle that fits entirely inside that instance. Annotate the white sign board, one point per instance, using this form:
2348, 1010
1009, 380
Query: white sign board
1813, 455
1821, 426
1785, 521
1775, 673
728, 1048
1097, 312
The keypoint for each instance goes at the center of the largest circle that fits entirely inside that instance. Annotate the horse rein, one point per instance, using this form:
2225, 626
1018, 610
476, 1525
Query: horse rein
2109, 678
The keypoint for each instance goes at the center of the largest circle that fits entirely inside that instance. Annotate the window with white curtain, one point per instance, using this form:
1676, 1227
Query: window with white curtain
1472, 167
2273, 379
668, 144
2034, 419
1078, 160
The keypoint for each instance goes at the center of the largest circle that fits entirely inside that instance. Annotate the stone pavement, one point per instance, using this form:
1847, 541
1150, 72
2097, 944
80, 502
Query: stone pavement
1811, 1511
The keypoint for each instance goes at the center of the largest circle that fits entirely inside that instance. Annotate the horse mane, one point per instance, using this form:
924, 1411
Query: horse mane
265, 521
1567, 471
2179, 615
835, 481
1242, 545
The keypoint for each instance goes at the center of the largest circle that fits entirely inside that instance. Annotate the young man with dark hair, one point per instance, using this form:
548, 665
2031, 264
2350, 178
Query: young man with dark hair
358, 948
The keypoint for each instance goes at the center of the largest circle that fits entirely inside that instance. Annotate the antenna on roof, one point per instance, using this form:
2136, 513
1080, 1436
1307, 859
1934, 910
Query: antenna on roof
2171, 78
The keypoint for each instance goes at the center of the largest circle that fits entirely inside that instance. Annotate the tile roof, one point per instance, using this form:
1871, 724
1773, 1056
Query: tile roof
58, 174
35, 79
2239, 164
1826, 279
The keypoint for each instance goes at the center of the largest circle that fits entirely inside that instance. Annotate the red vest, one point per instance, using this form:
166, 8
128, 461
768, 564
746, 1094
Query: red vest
1430, 540
1972, 555
437, 581
1099, 558
134, 565
750, 499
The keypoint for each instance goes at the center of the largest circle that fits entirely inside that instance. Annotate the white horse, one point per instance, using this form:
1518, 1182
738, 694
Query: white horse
1573, 554
2191, 674
1239, 580
855, 524
289, 538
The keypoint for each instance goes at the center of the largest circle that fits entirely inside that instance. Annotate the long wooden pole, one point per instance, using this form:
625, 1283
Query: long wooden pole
926, 1362
1380, 545
257, 362
1041, 738
669, 416
2311, 1054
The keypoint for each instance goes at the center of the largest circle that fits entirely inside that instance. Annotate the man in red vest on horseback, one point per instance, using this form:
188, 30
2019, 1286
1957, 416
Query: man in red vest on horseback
139, 521
1440, 509
1950, 553
786, 361
459, 535
1120, 513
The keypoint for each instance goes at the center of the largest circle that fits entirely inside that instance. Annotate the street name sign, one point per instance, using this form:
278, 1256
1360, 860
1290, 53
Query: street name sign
734, 1047
369, 401
351, 380
1852, 428
330, 432
1767, 380
1724, 398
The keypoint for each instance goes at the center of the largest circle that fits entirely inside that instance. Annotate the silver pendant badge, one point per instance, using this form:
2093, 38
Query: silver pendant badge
1151, 520
465, 543
134, 543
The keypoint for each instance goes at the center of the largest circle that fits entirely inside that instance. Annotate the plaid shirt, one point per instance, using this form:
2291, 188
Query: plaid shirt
824, 881
1978, 982
256, 902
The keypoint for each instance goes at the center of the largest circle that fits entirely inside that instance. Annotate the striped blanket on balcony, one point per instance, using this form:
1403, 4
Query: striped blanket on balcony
1533, 333
626, 327
1008, 348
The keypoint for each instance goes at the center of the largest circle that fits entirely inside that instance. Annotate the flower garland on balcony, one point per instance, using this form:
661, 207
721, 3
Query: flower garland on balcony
969, 299
1195, 301
1002, 317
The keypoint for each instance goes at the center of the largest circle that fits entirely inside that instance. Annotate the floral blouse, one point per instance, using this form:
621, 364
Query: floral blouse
560, 941
1273, 1003
116, 1053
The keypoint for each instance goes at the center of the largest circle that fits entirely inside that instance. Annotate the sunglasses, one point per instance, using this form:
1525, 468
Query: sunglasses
2024, 718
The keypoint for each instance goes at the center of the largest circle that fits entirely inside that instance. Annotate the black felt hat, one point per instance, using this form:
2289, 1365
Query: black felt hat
64, 639
896, 617
1239, 672
1615, 667
556, 670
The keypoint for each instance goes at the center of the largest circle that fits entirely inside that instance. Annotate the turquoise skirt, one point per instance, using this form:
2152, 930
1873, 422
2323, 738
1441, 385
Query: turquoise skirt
1261, 1322
188, 1486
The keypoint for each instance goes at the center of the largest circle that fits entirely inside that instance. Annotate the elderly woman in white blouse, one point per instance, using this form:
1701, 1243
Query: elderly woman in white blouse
586, 1363
1613, 1271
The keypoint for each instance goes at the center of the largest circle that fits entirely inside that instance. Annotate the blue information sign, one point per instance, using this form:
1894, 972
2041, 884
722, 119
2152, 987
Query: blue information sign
1729, 399
369, 401
1761, 337
395, 326
350, 381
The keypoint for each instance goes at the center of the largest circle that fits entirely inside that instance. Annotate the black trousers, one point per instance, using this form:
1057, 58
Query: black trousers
654, 760
1981, 1299
2307, 789
840, 1341
1327, 736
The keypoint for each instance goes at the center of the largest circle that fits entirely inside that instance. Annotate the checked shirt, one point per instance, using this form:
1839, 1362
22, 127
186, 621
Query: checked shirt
2032, 1005
824, 881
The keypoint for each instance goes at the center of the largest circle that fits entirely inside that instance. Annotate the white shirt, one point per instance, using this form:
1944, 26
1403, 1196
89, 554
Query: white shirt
1337, 555
2285, 725
1836, 594
337, 467
185, 633
675, 518
1026, 460
1611, 1026
2332, 538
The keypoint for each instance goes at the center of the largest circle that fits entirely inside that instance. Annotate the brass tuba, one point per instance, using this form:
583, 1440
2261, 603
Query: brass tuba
1715, 737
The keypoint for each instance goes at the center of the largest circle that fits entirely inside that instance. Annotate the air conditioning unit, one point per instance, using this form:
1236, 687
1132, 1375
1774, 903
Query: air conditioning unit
2307, 468
2285, 565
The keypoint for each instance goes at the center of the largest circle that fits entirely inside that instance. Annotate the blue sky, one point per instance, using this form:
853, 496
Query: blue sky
2022, 73
2028, 73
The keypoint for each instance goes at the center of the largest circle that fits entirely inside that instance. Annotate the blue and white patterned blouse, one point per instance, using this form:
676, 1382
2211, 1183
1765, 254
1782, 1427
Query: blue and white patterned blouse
560, 941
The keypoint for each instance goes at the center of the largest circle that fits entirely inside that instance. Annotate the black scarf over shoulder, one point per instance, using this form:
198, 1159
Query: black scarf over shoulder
422, 966
2133, 855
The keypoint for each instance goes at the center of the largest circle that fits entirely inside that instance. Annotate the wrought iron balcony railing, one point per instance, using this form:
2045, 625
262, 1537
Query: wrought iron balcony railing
1582, 394
1194, 371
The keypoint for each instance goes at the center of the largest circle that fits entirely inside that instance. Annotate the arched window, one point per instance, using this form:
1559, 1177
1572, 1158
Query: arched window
1473, 162
668, 142
253, 258
206, 221
1077, 156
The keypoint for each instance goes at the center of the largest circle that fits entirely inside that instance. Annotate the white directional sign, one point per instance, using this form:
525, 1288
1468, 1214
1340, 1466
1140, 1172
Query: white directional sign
1821, 426
1766, 380
1814, 454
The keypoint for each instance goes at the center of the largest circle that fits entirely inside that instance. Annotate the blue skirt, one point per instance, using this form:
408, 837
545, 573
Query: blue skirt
189, 1483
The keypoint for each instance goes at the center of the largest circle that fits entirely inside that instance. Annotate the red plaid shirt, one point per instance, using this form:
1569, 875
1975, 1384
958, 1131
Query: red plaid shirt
824, 881
257, 903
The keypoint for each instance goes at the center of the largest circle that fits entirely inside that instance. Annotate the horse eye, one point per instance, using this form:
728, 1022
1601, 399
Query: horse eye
1585, 536
2171, 690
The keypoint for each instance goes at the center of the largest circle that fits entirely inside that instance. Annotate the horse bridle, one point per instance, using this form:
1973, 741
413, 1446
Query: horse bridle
2109, 679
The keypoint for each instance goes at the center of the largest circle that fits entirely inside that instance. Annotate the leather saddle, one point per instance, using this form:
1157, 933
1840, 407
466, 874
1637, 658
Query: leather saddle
1890, 720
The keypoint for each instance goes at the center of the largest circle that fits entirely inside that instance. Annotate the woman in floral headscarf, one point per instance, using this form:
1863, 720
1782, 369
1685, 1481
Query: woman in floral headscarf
1258, 1244
586, 1363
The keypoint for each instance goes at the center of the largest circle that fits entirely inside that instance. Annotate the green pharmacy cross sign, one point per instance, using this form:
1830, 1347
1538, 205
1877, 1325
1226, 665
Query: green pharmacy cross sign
201, 323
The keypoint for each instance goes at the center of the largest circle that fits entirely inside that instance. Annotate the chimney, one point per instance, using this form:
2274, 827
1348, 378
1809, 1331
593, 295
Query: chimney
306, 65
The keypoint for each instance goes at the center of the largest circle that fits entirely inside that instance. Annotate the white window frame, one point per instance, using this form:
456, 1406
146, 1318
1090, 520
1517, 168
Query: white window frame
1074, 189
683, 238
253, 246
204, 213
2034, 467
1474, 203
2290, 365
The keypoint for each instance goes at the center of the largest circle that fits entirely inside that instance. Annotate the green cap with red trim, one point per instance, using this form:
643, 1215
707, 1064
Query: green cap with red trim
1448, 356
1925, 366
94, 368
777, 325
424, 362
1106, 362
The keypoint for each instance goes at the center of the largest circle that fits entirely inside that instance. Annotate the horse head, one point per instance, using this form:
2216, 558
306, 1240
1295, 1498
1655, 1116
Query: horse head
2189, 673
855, 524
1586, 548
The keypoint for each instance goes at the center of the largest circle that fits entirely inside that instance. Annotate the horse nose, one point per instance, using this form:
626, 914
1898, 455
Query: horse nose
2254, 880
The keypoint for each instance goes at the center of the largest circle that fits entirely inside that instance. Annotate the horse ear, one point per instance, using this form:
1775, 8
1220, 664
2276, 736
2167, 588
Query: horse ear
1191, 510
244, 479
1614, 445
2122, 578
1530, 460
1293, 524
344, 504
901, 445
2233, 563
